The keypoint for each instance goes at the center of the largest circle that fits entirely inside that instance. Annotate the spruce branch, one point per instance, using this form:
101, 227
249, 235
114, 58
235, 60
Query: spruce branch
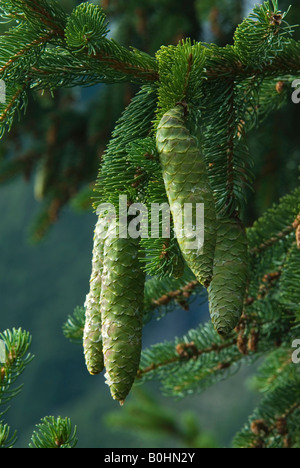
134, 64
15, 101
228, 91
269, 242
185, 351
116, 174
13, 47
286, 63
261, 36
86, 32
16, 360
6, 439
10, 12
224, 143
179, 295
136, 71
273, 424
43, 14
54, 432
201, 358
230, 148
181, 72
276, 369
276, 224
268, 281
47, 20
289, 280
74, 326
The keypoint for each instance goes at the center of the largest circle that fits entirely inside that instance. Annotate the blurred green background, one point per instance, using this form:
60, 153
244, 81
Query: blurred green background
42, 283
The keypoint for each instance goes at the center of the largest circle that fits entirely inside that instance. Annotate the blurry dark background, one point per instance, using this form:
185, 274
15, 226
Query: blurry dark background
46, 231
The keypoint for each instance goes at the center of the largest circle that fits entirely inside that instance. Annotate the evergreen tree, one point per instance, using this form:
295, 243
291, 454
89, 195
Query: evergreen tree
188, 127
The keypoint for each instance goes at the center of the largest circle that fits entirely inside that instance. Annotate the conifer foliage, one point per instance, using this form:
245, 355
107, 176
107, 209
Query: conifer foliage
183, 137
14, 358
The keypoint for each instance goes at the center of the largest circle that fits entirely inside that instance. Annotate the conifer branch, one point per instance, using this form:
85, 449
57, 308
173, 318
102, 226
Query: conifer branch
36, 42
270, 426
228, 91
179, 295
136, 71
41, 13
268, 282
185, 351
276, 224
17, 358
54, 433
12, 102
187, 76
231, 143
7, 440
74, 327
85, 34
281, 66
279, 236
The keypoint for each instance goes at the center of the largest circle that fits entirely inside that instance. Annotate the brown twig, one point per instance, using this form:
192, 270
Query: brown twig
262, 430
36, 42
118, 65
194, 355
296, 226
125, 67
183, 293
12, 102
280, 235
46, 18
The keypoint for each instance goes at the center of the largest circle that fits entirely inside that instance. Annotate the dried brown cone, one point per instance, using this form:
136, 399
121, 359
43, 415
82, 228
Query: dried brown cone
259, 427
242, 343
298, 236
296, 226
281, 426
253, 341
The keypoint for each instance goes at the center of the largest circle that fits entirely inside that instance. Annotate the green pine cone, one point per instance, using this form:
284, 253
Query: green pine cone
186, 181
226, 292
122, 301
92, 339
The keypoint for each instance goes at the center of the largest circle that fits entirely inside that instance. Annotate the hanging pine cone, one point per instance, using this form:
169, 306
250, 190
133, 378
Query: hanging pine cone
226, 292
92, 339
186, 181
122, 301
